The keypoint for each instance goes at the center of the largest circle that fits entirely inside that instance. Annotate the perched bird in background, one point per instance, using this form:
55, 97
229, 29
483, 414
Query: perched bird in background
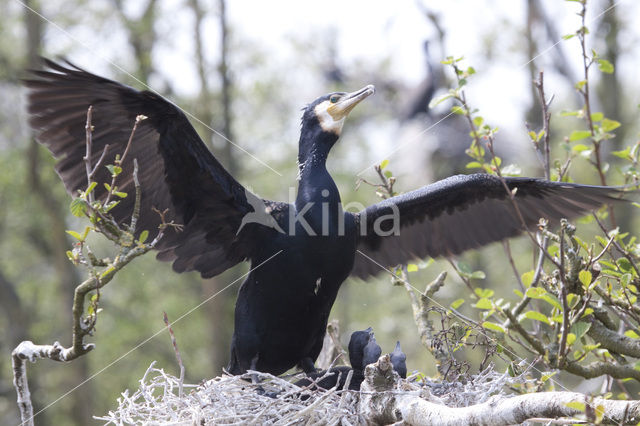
420, 98
297, 268
399, 361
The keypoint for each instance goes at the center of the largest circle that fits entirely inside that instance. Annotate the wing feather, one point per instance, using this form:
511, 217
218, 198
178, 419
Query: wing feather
465, 212
176, 170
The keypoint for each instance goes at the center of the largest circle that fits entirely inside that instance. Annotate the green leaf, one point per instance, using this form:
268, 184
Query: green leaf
527, 278
580, 147
625, 153
439, 100
547, 375
631, 334
552, 300
585, 278
478, 121
457, 303
78, 207
580, 328
464, 268
577, 135
384, 164
605, 66
91, 187
609, 125
568, 36
75, 235
412, 267
388, 174
624, 264
535, 292
120, 194
493, 326
143, 236
571, 338
478, 275
457, 110
473, 165
575, 405
483, 303
589, 348
597, 116
484, 292
536, 316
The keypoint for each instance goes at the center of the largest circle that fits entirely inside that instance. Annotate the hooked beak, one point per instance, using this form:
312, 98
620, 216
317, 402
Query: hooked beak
343, 107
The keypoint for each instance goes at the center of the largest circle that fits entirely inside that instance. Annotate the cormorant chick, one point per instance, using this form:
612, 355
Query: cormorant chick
399, 361
362, 352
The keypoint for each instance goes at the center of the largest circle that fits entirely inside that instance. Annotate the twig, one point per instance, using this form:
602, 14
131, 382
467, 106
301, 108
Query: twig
563, 298
83, 326
546, 118
177, 351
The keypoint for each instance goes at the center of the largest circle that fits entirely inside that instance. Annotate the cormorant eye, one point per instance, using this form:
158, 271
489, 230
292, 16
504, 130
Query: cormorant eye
333, 99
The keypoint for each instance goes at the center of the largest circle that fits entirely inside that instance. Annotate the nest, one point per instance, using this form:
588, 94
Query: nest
235, 400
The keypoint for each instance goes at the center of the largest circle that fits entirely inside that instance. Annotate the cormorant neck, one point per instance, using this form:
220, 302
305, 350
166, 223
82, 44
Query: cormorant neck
314, 147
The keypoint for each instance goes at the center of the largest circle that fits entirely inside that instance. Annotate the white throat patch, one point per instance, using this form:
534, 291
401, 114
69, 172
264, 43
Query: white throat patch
327, 122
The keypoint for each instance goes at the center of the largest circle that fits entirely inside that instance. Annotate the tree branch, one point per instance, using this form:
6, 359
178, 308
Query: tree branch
383, 401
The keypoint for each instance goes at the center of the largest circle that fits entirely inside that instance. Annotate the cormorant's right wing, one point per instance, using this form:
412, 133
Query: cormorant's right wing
176, 170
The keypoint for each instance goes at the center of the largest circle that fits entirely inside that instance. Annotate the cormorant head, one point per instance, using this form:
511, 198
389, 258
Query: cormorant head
331, 110
322, 121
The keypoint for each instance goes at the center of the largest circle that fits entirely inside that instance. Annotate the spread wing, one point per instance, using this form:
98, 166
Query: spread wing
464, 212
176, 170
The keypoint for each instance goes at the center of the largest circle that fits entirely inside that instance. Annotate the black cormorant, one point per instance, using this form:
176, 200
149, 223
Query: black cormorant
399, 360
363, 350
283, 306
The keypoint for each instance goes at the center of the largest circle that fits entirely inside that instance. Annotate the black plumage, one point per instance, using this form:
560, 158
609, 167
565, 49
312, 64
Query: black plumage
298, 266
399, 361
371, 352
363, 350
338, 375
357, 343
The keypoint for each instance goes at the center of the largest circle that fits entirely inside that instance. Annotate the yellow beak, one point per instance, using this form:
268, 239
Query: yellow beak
343, 107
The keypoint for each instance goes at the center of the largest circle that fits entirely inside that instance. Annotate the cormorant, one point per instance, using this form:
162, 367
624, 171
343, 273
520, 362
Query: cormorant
371, 352
363, 350
399, 360
283, 306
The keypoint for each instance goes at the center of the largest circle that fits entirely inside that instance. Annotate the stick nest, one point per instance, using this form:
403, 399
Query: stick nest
235, 400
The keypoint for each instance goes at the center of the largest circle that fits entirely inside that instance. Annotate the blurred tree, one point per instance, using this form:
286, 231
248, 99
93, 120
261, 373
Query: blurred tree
142, 36
55, 208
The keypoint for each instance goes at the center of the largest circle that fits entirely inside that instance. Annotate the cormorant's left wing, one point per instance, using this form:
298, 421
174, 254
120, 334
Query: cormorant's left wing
464, 212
